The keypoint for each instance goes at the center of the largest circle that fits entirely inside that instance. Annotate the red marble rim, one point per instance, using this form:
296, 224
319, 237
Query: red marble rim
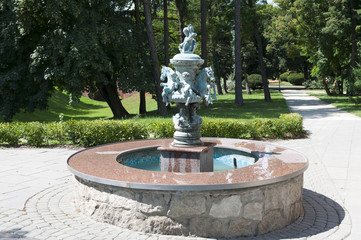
275, 164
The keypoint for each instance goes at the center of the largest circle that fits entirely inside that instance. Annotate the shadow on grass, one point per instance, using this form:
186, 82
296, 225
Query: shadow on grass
226, 108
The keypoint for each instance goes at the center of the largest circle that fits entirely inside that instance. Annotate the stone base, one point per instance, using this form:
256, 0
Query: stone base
216, 214
189, 159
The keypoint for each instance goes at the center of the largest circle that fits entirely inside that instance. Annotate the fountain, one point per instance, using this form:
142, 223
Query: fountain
188, 185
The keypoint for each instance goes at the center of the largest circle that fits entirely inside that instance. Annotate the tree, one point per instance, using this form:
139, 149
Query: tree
220, 28
181, 12
166, 33
262, 66
154, 57
142, 102
237, 49
82, 46
323, 30
204, 31
18, 89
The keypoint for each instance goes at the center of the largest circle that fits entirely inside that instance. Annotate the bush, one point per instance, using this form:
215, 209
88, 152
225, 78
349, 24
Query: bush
284, 76
34, 133
97, 132
56, 132
10, 133
289, 125
255, 81
296, 78
162, 129
313, 84
226, 129
92, 133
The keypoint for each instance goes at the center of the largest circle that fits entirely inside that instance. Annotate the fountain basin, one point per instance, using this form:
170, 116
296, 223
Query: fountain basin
252, 200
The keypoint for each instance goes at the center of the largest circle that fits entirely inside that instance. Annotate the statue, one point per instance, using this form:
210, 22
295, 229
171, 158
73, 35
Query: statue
187, 86
203, 87
189, 44
172, 84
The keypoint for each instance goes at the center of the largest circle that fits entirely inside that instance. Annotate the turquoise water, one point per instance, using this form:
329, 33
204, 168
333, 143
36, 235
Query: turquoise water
223, 159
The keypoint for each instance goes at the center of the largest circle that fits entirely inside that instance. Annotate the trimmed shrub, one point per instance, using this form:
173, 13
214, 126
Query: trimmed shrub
162, 129
56, 132
284, 76
289, 125
313, 84
97, 132
255, 81
296, 78
10, 133
92, 133
34, 133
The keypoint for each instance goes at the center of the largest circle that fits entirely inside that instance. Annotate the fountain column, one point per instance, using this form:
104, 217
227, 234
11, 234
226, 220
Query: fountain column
186, 87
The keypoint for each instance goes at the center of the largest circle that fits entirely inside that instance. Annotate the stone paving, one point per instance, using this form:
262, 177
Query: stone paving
36, 187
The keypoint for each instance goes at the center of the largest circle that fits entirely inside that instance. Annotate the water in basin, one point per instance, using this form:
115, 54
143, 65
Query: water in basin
224, 159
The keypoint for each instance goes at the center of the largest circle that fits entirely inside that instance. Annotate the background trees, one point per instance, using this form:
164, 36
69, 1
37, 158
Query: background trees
103, 46
324, 32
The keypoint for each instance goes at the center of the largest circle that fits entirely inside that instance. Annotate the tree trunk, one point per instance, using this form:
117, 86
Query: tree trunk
204, 30
248, 90
219, 86
166, 33
267, 95
305, 69
238, 60
225, 85
353, 35
110, 94
181, 8
142, 103
326, 87
153, 54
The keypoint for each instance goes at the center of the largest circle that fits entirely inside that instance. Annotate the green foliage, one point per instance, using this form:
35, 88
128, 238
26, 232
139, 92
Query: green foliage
255, 81
96, 132
91, 133
284, 76
34, 133
295, 78
10, 133
227, 129
19, 89
313, 84
162, 129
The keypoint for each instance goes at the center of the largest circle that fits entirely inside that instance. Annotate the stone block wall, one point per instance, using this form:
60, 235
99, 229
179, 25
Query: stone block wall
221, 213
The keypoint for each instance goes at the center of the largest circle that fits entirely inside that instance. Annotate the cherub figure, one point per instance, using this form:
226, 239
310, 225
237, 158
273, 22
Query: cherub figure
189, 44
187, 88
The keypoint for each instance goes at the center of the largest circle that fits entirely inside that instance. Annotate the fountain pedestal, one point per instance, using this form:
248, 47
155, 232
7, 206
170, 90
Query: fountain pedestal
187, 86
192, 159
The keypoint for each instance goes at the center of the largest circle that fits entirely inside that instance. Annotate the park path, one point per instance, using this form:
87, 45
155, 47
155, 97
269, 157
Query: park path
36, 187
334, 142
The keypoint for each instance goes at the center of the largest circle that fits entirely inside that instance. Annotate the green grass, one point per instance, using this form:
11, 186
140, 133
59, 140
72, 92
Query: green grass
224, 108
283, 84
339, 101
86, 109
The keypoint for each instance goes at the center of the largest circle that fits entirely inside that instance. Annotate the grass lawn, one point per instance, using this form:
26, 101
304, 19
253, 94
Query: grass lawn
275, 83
224, 108
341, 102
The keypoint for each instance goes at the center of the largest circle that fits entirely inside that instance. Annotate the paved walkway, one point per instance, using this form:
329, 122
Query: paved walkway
36, 188
334, 143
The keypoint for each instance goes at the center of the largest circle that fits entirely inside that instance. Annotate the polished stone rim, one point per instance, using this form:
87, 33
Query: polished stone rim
187, 187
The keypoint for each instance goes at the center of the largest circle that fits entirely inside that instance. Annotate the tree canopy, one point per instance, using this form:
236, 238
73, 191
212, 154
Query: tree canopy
103, 46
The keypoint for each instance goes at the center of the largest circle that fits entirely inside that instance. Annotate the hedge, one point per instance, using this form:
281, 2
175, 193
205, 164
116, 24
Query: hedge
96, 132
284, 76
255, 81
296, 78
